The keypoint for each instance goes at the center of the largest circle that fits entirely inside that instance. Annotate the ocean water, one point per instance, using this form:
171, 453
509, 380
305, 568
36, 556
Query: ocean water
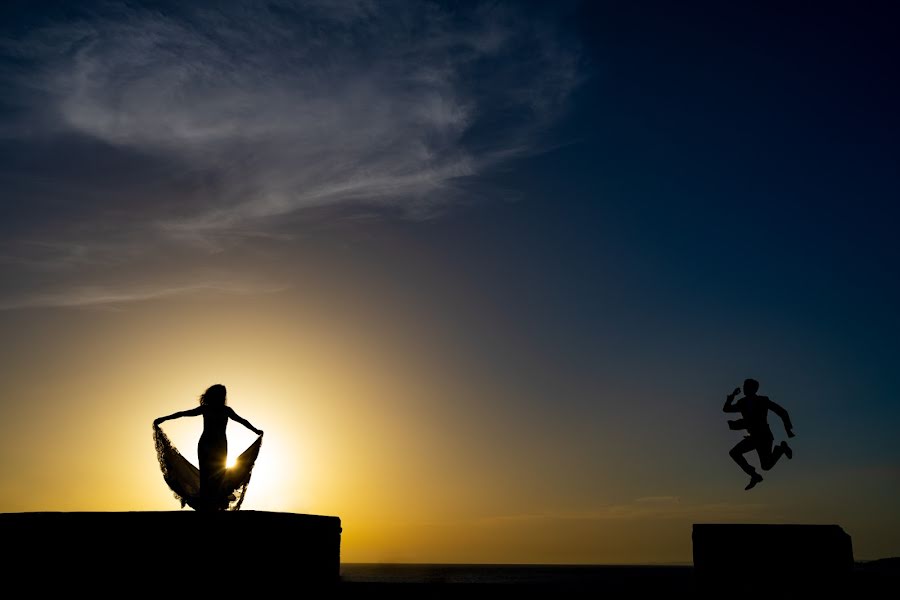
603, 575
610, 582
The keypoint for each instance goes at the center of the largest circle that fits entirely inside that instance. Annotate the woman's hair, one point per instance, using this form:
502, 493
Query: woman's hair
214, 395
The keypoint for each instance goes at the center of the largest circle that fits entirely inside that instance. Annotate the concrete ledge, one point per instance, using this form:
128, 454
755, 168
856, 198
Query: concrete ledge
755, 557
185, 550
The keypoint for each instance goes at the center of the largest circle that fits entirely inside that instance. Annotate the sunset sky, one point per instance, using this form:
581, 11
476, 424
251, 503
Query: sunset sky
483, 272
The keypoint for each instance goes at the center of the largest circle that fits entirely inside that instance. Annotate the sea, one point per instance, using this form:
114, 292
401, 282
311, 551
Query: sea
606, 581
511, 574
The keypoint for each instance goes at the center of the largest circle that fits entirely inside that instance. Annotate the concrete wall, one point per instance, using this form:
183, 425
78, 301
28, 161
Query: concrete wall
183, 551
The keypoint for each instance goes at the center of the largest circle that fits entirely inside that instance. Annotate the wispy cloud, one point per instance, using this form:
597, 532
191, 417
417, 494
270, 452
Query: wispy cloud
218, 118
644, 508
291, 105
658, 500
116, 298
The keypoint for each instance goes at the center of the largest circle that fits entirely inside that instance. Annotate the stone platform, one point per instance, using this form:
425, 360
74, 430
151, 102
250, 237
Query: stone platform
184, 551
747, 559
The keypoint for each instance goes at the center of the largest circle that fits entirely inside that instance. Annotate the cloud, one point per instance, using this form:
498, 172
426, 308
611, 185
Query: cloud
667, 507
236, 117
658, 500
287, 106
115, 298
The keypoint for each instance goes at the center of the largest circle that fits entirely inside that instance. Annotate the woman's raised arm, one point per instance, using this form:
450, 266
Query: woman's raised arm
243, 421
193, 412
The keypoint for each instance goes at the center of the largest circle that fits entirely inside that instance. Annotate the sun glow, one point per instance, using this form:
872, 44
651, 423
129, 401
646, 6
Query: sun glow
273, 482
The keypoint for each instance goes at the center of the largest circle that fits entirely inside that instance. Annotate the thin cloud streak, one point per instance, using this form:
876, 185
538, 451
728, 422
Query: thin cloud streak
108, 298
647, 510
658, 499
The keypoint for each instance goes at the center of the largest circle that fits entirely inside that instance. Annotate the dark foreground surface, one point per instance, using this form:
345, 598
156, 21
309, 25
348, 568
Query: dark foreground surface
876, 579
217, 552
277, 555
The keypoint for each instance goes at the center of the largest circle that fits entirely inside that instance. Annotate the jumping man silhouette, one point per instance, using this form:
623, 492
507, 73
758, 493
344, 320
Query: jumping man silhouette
754, 418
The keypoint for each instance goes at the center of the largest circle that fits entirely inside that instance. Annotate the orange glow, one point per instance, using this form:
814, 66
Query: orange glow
407, 446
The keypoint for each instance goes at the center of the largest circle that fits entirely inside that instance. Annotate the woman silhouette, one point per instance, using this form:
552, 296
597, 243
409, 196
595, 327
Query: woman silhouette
212, 486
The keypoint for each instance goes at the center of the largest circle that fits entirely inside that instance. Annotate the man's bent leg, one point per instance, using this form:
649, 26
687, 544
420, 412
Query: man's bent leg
768, 456
737, 454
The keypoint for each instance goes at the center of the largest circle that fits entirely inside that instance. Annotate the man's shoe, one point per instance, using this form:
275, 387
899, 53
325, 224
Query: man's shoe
754, 479
787, 450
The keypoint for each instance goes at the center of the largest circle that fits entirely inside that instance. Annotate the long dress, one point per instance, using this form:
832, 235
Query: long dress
219, 488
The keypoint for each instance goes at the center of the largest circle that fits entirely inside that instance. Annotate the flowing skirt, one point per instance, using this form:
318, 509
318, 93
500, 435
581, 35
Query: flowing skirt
183, 478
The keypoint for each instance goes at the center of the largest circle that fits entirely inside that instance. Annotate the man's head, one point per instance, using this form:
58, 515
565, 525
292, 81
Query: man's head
751, 386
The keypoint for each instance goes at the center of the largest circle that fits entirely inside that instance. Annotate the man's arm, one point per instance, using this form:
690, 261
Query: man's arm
785, 417
729, 401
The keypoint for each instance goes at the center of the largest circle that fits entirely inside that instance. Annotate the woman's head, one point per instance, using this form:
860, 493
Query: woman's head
214, 395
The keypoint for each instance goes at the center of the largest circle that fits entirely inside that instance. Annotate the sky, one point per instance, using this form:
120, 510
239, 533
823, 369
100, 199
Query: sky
483, 272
